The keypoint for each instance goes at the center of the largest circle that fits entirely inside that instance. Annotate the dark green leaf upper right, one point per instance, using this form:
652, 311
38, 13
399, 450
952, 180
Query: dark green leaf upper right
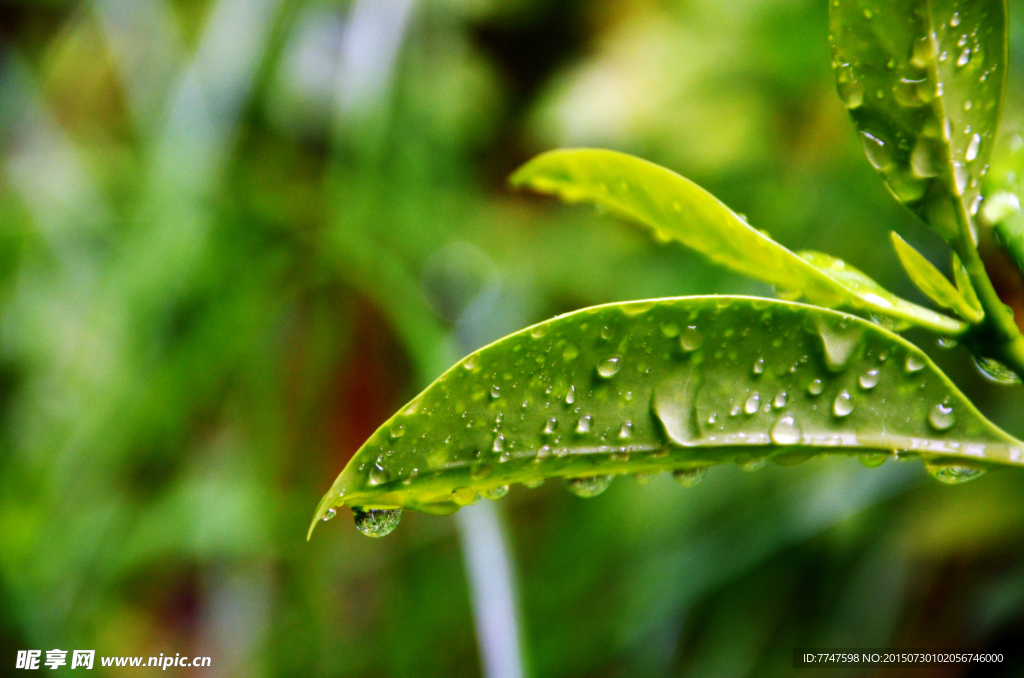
923, 81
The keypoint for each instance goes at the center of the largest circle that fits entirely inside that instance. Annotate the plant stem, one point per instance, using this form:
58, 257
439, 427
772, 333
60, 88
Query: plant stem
998, 331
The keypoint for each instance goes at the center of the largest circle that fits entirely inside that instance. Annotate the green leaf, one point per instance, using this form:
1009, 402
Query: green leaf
963, 283
670, 384
866, 288
675, 208
924, 81
931, 281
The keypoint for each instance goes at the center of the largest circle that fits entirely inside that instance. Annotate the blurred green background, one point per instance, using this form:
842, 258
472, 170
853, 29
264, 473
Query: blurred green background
236, 235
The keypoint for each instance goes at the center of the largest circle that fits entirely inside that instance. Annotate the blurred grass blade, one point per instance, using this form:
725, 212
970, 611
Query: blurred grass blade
963, 283
924, 81
867, 288
675, 208
931, 281
670, 384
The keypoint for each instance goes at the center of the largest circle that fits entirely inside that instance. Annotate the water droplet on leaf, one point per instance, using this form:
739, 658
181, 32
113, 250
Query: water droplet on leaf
843, 404
674, 403
942, 417
609, 367
583, 425
913, 364
329, 515
786, 431
868, 380
690, 339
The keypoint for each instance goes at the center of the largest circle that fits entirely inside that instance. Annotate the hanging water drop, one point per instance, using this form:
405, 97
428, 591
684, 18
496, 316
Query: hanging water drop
942, 417
550, 426
965, 56
496, 492
842, 406
499, 443
780, 399
786, 431
495, 392
570, 397
588, 487
758, 366
688, 477
873, 459
952, 474
329, 515
996, 371
376, 522
609, 367
815, 387
755, 464
533, 484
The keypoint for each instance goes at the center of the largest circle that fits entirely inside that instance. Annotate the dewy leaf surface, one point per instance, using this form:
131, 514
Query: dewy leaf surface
924, 81
931, 281
675, 208
668, 384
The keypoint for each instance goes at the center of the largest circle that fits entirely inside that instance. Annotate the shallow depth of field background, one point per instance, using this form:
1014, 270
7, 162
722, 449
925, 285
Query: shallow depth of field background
236, 235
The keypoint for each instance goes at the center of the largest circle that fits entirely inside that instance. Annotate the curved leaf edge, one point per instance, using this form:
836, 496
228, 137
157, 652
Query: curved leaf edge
830, 291
659, 458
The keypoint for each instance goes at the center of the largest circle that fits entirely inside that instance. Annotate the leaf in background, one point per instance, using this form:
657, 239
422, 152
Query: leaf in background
675, 208
671, 384
1004, 187
866, 288
924, 81
931, 281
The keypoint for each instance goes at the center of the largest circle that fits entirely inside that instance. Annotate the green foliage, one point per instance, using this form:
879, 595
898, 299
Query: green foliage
923, 80
666, 385
675, 208
924, 84
930, 281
